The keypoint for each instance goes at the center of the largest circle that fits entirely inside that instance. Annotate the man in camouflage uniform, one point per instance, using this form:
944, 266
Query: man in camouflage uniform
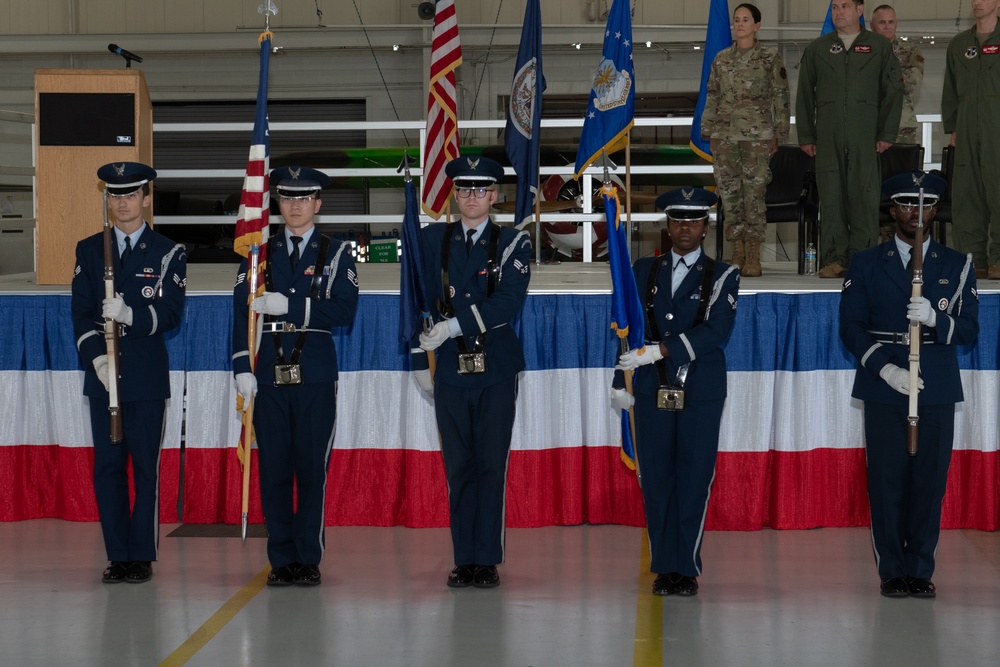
911, 62
847, 112
746, 115
969, 112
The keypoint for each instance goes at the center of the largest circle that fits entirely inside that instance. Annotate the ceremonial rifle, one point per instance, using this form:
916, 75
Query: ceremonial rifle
917, 291
253, 260
111, 333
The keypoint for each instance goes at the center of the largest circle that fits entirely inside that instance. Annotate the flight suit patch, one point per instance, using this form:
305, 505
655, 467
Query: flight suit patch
862, 48
971, 52
991, 50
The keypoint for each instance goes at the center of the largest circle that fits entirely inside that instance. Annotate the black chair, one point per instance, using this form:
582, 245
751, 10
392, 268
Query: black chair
898, 159
790, 197
944, 214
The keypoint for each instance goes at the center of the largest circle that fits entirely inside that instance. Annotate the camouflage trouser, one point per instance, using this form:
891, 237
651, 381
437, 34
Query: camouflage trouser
907, 135
742, 172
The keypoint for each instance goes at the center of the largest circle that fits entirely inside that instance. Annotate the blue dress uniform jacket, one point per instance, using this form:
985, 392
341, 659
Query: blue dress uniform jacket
476, 312
876, 293
475, 413
295, 424
905, 493
152, 284
677, 450
335, 307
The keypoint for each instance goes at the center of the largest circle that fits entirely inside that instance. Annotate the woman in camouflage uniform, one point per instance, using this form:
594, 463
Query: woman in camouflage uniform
746, 115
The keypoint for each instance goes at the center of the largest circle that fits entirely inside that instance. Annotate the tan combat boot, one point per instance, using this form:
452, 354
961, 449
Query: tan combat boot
751, 269
739, 257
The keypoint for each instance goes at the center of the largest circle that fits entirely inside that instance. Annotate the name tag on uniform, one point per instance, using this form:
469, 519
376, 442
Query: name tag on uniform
991, 49
862, 48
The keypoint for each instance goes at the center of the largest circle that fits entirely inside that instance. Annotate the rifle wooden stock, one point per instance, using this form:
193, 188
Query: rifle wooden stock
914, 358
253, 264
111, 335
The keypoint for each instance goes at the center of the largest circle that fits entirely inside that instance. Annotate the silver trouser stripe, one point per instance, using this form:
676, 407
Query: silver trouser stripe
701, 528
305, 320
79, 341
951, 330
244, 353
152, 313
329, 447
687, 346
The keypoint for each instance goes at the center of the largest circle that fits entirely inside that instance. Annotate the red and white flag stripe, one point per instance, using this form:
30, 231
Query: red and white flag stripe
442, 116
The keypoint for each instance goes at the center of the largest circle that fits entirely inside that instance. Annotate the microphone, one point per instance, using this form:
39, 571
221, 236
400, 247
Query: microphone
127, 55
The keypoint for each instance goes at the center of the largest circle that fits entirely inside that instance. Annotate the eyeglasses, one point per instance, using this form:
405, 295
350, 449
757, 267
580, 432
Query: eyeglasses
910, 208
465, 193
285, 199
132, 196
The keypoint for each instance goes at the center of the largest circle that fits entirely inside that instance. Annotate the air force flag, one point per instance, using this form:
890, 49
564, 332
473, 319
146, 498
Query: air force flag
611, 110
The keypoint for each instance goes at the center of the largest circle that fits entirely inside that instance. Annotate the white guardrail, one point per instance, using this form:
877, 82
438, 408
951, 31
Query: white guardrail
586, 217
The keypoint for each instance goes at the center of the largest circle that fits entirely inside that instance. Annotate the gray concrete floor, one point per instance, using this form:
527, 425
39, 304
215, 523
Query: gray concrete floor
570, 596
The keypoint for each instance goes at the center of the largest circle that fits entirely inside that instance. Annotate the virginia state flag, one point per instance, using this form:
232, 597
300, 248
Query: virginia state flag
828, 23
627, 318
717, 38
412, 292
611, 110
524, 114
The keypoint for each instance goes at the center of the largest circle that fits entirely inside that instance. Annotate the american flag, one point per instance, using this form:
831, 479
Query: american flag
252, 221
442, 117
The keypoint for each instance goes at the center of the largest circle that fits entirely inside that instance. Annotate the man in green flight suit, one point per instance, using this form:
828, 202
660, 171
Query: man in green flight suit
849, 101
969, 112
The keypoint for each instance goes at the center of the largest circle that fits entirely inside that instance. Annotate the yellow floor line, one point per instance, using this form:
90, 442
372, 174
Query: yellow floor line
648, 648
217, 621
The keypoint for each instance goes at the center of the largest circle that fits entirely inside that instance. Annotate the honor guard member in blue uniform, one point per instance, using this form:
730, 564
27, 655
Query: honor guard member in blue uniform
311, 286
479, 275
876, 308
679, 387
150, 276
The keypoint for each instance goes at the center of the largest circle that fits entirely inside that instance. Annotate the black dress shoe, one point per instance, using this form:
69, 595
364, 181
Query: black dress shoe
486, 576
282, 576
115, 572
139, 572
921, 588
461, 576
685, 586
894, 588
664, 583
308, 575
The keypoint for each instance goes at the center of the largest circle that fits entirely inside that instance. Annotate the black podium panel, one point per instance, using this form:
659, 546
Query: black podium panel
86, 119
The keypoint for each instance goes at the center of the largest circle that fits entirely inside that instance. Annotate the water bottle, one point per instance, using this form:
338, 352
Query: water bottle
810, 260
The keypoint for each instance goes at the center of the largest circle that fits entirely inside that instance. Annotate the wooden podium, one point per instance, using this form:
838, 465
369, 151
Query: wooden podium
85, 118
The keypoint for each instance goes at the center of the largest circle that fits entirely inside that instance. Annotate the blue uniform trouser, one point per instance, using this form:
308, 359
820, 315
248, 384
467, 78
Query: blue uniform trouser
128, 535
476, 426
295, 425
676, 452
905, 492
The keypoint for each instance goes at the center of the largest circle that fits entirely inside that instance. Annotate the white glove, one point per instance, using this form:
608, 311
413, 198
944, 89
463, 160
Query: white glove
438, 334
920, 310
632, 359
271, 303
246, 387
425, 380
898, 378
101, 366
115, 309
621, 399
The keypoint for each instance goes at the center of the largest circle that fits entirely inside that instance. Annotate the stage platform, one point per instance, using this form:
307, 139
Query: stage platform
564, 278
791, 448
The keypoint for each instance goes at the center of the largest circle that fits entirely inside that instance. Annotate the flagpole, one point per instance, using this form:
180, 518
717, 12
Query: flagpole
623, 341
538, 222
628, 190
252, 261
